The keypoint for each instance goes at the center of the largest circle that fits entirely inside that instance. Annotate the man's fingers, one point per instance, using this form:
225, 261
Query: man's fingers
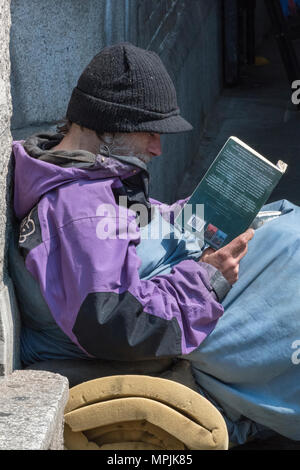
235, 249
238, 246
249, 234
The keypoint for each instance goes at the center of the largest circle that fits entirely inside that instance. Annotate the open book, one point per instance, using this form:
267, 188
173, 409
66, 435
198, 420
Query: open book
230, 195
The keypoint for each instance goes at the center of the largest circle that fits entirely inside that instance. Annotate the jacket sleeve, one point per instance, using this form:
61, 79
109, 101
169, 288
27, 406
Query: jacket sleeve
94, 292
220, 286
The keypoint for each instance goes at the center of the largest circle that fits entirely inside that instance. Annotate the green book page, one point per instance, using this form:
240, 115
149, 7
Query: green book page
232, 192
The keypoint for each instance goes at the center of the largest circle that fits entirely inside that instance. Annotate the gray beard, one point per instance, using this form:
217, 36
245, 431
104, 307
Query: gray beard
145, 158
119, 147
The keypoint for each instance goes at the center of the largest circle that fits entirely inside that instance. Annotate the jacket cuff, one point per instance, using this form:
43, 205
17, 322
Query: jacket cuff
220, 285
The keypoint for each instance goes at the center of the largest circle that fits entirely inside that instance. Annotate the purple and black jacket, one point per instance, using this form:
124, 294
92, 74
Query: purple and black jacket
92, 285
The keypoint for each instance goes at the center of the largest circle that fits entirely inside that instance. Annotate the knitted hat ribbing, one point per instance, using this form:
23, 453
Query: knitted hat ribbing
126, 89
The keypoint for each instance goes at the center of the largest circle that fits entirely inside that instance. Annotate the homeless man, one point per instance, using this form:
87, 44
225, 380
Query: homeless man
133, 297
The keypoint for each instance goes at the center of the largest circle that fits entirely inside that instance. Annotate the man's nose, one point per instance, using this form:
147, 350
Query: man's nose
155, 145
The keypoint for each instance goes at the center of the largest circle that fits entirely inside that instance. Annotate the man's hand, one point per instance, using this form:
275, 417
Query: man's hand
227, 259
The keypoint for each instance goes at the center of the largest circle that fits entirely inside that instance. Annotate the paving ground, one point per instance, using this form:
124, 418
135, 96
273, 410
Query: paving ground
260, 112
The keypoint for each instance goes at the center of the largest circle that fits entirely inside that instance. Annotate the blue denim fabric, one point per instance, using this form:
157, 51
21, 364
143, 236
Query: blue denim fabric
249, 363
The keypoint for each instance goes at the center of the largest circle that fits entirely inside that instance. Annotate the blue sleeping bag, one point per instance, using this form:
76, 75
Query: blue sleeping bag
249, 366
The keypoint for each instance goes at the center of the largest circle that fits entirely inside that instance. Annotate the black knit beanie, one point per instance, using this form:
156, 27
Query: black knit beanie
126, 89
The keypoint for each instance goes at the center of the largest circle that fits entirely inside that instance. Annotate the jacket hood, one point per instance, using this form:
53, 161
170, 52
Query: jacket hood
39, 170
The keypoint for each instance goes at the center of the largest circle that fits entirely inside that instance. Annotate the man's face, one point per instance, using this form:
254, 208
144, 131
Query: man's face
144, 145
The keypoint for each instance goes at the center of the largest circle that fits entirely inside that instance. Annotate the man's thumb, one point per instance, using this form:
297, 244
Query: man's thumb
208, 251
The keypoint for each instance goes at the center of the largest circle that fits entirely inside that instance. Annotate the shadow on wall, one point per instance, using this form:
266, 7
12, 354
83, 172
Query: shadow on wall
50, 46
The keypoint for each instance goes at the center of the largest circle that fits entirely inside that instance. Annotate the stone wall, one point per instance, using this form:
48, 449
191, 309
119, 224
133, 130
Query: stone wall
5, 115
59, 38
8, 329
188, 38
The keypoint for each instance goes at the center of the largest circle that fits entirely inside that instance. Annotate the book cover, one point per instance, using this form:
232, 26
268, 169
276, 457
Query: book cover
230, 195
